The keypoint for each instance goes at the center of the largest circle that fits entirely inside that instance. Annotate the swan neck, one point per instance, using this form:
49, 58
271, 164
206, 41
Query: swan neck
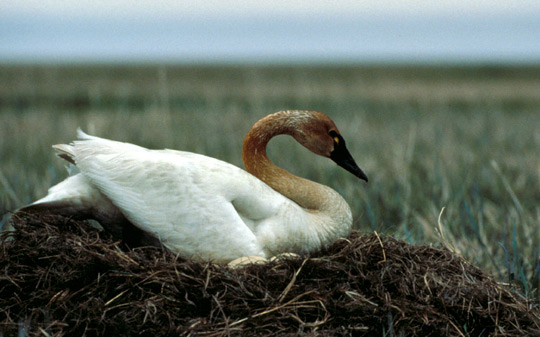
326, 214
308, 194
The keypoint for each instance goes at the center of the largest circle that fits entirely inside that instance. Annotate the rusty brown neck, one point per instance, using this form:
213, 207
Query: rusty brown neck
306, 193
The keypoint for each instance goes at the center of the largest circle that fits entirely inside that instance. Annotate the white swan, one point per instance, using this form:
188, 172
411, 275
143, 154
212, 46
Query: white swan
206, 209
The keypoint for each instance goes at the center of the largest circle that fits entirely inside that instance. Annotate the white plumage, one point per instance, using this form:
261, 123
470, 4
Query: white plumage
197, 206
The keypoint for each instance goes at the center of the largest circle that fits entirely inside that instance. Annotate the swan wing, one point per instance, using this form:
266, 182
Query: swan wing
198, 206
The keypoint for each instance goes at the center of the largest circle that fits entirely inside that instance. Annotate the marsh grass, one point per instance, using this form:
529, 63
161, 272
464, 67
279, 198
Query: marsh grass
464, 139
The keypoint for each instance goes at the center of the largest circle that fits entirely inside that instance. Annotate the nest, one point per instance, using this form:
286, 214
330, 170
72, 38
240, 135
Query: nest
63, 277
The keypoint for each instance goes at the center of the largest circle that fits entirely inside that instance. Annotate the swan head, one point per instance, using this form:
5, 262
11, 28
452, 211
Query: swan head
318, 133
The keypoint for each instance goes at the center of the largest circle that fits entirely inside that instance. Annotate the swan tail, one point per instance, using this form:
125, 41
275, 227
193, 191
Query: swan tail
67, 198
118, 226
74, 192
67, 151
75, 195
76, 198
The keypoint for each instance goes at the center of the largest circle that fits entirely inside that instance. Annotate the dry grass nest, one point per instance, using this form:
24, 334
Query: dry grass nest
63, 277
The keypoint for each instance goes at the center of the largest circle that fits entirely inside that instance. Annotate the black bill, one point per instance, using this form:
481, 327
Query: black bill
343, 158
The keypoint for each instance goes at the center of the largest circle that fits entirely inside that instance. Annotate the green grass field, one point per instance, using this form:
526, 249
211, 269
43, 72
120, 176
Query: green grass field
466, 139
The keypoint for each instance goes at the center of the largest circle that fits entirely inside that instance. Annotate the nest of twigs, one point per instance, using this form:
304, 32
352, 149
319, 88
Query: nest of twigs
63, 277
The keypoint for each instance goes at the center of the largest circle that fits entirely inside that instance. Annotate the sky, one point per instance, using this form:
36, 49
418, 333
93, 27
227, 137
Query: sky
270, 31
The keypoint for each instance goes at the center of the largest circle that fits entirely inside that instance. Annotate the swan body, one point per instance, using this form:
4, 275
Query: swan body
203, 208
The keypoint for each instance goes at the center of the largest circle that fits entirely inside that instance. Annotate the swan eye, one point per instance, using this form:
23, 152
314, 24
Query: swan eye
335, 136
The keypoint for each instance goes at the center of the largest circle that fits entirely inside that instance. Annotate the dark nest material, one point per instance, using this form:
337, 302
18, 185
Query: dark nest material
62, 277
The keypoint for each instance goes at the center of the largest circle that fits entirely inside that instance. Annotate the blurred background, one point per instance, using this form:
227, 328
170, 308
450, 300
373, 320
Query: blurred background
439, 103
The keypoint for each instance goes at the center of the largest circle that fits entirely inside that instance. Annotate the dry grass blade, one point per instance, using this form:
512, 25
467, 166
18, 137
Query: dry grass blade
382, 247
289, 286
445, 242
